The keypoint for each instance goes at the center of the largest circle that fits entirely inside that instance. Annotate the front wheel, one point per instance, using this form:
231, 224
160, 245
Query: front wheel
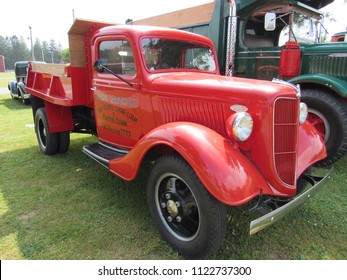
328, 114
188, 217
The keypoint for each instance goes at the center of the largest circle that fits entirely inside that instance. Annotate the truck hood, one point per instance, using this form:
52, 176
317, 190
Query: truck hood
218, 87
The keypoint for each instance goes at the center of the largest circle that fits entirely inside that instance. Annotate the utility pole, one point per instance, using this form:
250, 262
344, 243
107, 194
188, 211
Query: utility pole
31, 44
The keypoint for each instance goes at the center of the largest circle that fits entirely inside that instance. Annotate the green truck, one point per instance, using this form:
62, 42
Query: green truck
278, 39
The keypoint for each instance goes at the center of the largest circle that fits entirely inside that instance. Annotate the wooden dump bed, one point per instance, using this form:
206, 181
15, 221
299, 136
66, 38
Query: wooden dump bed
58, 83
190, 16
66, 84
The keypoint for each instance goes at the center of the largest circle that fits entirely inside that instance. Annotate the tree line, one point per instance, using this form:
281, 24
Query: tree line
15, 49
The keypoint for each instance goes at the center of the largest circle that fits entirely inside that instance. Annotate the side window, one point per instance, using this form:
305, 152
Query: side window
118, 56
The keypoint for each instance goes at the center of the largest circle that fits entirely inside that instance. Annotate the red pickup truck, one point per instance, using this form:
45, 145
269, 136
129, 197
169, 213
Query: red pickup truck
155, 95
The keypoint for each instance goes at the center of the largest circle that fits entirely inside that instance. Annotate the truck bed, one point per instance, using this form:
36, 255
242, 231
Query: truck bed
59, 84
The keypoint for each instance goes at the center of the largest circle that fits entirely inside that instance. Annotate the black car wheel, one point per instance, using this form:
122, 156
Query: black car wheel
48, 142
188, 217
328, 114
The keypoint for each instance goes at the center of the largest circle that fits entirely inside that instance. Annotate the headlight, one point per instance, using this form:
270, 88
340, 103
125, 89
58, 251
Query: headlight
303, 112
240, 125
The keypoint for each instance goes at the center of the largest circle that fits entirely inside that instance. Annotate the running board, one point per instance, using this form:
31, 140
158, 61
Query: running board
103, 153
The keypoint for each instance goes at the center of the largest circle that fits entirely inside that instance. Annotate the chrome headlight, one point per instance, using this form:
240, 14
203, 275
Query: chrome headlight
242, 125
303, 112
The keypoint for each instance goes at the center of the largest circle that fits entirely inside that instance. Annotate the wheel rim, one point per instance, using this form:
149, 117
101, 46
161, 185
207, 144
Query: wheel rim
177, 207
320, 122
42, 133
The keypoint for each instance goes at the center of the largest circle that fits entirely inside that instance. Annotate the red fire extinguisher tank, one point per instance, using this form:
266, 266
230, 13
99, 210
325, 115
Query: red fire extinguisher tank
290, 60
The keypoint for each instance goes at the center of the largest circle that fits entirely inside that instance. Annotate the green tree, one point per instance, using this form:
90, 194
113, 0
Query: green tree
38, 52
65, 56
16, 49
13, 49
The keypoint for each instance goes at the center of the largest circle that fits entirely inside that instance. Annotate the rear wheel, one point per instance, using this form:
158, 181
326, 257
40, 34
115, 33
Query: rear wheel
328, 114
188, 217
48, 142
63, 141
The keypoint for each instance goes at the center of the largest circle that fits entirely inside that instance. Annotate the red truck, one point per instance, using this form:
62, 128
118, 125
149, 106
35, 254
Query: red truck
156, 95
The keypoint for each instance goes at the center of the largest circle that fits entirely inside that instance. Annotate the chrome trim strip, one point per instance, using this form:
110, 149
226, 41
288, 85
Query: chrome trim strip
258, 57
294, 86
97, 158
118, 150
260, 51
279, 213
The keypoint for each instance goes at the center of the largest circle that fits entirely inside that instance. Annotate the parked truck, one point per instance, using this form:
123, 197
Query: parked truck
277, 39
155, 95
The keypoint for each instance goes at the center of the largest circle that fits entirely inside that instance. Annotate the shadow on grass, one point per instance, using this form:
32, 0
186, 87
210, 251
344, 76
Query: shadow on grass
69, 207
13, 103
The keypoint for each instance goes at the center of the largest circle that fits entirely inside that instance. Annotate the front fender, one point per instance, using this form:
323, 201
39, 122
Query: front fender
12, 87
226, 173
22, 88
311, 147
337, 85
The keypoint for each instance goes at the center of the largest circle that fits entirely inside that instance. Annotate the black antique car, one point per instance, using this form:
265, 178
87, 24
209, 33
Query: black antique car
17, 87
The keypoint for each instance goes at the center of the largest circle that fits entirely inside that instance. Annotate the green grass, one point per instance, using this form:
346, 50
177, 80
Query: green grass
5, 78
69, 207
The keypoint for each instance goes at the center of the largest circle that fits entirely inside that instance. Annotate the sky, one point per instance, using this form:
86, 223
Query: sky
52, 19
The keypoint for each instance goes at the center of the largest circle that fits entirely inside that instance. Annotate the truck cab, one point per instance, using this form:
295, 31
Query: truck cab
292, 50
155, 95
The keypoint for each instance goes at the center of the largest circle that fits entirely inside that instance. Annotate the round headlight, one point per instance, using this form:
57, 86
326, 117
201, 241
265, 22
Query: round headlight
242, 126
303, 112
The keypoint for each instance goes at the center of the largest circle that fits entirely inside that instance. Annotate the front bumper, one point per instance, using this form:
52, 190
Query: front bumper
275, 215
26, 96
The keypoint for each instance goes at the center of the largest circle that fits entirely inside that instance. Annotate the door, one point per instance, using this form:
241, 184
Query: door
117, 104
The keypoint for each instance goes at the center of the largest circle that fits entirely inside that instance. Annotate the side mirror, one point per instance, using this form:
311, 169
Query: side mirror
270, 22
100, 65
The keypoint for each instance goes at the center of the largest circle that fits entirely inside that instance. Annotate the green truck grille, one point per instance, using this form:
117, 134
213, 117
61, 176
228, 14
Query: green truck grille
333, 65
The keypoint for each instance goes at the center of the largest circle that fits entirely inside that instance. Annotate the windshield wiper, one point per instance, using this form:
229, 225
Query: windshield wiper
100, 67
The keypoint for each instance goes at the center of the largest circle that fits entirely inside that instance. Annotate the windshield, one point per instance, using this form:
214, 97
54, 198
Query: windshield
292, 23
168, 55
302, 29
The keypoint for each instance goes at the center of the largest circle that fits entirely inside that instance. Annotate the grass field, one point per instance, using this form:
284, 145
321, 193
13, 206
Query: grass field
69, 207
5, 78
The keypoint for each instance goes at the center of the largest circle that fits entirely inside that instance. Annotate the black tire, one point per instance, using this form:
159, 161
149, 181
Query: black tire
63, 142
12, 86
188, 217
48, 142
329, 115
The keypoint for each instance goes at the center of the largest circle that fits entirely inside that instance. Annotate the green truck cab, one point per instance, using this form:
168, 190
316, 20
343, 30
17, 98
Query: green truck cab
277, 39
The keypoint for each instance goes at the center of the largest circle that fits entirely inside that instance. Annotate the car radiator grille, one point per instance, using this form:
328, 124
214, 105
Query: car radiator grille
286, 119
